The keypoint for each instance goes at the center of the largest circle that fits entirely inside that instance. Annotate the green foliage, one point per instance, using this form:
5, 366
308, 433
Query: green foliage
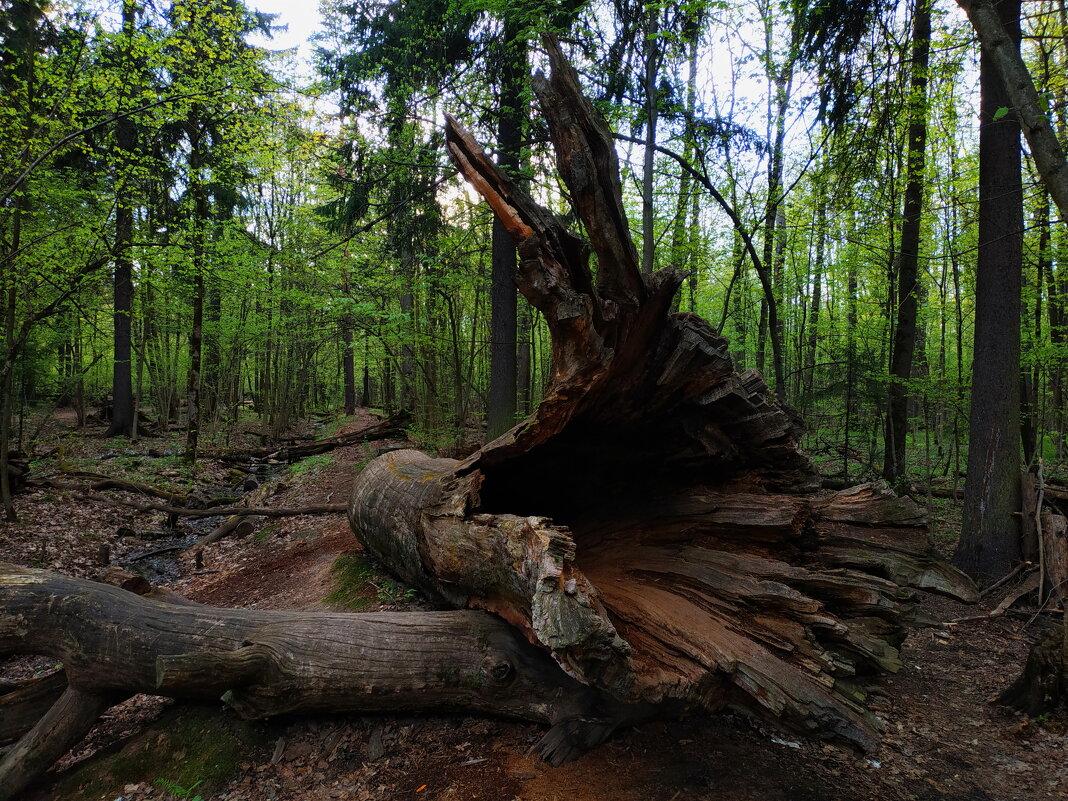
191, 746
354, 578
358, 584
312, 464
181, 792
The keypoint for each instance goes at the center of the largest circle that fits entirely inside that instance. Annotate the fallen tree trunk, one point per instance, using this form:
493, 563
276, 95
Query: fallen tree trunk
218, 511
653, 525
113, 643
393, 426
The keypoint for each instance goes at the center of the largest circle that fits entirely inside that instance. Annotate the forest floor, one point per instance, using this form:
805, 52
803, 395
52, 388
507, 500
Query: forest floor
943, 739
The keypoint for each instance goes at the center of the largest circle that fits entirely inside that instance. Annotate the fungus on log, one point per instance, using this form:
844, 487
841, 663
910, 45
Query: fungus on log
653, 525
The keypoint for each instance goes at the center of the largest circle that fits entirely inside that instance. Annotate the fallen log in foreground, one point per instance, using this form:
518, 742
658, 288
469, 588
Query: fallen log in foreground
113, 643
653, 525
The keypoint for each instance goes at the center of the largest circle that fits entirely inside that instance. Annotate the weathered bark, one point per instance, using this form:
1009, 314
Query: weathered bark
989, 543
113, 643
652, 525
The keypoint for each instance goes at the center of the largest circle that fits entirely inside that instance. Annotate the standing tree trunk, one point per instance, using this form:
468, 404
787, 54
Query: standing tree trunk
122, 400
652, 67
904, 346
196, 331
501, 401
990, 532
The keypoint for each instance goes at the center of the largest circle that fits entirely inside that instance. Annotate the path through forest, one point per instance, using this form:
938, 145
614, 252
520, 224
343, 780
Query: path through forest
944, 740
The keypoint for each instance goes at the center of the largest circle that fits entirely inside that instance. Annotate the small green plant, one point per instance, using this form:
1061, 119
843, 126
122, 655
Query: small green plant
353, 576
265, 532
313, 464
393, 593
181, 792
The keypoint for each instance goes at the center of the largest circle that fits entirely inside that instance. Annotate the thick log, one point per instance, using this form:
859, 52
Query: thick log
706, 598
23, 703
113, 643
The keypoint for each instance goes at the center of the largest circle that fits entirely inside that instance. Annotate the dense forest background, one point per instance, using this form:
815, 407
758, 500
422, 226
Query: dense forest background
189, 230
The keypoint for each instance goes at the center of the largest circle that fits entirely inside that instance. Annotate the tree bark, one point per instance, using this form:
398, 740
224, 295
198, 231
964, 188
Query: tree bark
990, 533
905, 331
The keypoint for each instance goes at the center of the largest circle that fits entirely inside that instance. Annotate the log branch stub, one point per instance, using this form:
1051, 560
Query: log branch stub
414, 513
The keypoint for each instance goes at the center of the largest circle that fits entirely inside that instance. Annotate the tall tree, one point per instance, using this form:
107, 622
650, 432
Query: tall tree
122, 407
904, 346
501, 404
990, 532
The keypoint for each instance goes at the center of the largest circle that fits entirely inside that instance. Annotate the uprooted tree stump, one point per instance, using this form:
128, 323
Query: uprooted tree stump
653, 525
649, 540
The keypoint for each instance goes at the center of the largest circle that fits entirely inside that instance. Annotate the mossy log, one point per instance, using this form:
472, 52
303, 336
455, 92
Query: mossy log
653, 525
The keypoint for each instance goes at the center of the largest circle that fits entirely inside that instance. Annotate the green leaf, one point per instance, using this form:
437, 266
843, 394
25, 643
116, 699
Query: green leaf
1001, 112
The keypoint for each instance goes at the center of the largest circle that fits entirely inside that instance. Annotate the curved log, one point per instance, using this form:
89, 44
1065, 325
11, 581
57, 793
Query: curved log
653, 525
113, 643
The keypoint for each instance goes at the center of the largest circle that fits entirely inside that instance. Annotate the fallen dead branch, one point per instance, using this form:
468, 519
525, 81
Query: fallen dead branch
390, 427
113, 643
218, 511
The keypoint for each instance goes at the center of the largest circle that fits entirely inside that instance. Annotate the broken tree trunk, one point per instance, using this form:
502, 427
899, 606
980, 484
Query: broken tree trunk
653, 525
649, 539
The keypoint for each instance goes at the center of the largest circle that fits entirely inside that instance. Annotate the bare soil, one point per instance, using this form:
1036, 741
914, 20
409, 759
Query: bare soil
943, 738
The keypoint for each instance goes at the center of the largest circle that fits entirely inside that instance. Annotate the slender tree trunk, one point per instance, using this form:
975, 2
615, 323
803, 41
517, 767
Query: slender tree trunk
817, 296
196, 331
501, 402
652, 68
990, 533
905, 331
122, 406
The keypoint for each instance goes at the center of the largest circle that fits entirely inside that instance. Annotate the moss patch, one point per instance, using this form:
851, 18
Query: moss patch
354, 580
186, 745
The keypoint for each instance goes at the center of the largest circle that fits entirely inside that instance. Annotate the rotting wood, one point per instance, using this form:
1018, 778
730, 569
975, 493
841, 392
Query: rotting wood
101, 482
217, 511
653, 524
